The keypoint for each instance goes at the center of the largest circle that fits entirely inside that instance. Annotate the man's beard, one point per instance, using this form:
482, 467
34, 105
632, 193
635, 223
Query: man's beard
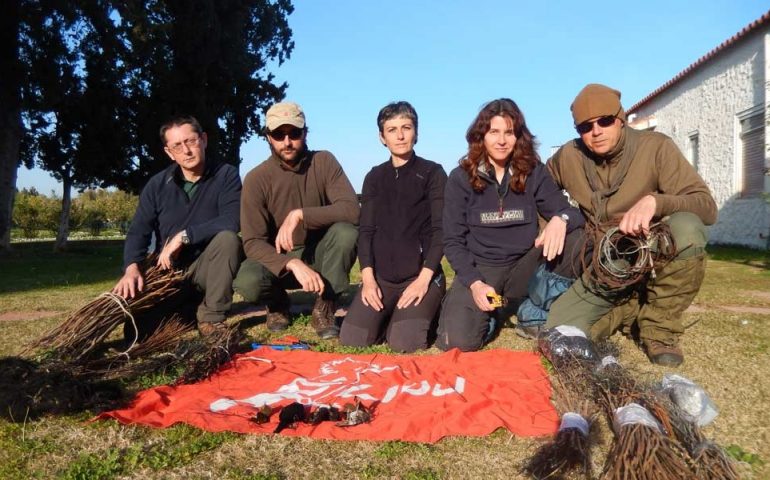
296, 154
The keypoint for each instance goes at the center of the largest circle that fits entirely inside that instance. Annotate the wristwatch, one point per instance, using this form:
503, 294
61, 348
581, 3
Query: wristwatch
185, 238
564, 217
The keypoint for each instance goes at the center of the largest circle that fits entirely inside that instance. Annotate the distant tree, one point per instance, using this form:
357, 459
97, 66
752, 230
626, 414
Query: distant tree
34, 212
74, 98
11, 80
119, 208
206, 58
89, 211
86, 83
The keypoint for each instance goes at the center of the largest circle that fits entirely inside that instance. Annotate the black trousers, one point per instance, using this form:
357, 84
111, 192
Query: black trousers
462, 325
405, 329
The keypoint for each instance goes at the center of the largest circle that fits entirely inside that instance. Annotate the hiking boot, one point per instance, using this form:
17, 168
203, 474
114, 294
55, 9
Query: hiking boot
660, 353
209, 329
278, 320
322, 319
528, 332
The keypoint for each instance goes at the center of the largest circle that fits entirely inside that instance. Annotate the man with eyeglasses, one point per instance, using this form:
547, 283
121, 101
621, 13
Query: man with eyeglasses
298, 217
639, 177
193, 210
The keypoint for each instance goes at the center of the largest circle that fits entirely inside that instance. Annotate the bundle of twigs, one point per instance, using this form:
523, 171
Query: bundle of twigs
642, 449
84, 330
709, 458
619, 260
569, 450
157, 352
205, 356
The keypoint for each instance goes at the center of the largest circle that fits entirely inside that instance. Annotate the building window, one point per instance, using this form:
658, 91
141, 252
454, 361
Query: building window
692, 150
752, 145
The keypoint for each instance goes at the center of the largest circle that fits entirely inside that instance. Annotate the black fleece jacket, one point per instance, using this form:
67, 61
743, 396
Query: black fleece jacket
400, 227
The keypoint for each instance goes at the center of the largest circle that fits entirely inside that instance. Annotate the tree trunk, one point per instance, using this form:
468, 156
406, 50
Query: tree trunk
10, 134
64, 221
10, 116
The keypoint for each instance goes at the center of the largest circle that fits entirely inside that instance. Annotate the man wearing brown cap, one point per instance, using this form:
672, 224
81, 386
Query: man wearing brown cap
639, 177
298, 217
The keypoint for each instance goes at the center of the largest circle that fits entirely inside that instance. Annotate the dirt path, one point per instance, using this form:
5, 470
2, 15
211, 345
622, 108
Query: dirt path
27, 315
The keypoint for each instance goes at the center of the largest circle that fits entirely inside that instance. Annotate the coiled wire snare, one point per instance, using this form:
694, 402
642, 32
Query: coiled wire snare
620, 260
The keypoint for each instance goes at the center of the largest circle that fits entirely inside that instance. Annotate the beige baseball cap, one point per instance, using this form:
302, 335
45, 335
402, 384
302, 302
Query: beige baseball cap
285, 113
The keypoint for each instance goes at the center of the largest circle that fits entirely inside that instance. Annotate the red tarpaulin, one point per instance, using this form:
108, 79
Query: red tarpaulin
419, 398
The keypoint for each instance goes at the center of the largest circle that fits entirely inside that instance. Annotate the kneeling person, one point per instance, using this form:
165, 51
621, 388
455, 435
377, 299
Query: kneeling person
298, 217
192, 208
491, 236
400, 242
640, 177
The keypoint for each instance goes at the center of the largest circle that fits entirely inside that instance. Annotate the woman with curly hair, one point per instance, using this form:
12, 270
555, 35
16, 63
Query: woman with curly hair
491, 236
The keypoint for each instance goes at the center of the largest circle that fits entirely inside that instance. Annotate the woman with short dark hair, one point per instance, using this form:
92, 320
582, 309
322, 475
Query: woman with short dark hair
399, 242
491, 234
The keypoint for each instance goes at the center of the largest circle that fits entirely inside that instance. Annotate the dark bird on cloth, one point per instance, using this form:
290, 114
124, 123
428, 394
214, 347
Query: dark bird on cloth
324, 414
289, 415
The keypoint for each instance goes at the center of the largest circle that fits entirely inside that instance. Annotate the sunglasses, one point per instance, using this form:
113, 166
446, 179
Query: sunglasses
603, 122
293, 133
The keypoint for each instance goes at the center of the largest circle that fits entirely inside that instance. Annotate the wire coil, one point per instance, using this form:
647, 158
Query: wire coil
620, 260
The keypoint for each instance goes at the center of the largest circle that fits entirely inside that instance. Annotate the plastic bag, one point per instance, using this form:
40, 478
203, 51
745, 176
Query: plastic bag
633, 414
691, 398
564, 343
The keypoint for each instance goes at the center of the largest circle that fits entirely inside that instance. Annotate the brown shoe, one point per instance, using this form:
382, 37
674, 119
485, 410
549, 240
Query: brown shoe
660, 353
322, 319
208, 329
530, 332
277, 321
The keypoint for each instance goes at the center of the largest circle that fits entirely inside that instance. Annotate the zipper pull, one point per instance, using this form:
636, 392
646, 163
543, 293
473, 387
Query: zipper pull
500, 209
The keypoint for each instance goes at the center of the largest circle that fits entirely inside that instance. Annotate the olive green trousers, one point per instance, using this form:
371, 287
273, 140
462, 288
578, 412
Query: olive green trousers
656, 307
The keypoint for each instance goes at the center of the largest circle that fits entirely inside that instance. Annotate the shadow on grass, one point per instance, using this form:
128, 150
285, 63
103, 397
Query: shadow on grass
29, 391
740, 255
34, 265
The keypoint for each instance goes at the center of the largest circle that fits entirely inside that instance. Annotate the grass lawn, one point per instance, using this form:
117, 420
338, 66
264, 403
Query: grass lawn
727, 351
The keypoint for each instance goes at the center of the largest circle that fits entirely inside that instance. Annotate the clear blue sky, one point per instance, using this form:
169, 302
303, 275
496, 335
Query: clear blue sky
449, 57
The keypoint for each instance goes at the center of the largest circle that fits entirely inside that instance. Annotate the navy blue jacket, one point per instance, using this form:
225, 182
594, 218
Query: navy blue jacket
165, 210
479, 230
400, 226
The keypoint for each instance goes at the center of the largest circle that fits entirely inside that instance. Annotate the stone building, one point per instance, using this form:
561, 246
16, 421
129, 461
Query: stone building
716, 110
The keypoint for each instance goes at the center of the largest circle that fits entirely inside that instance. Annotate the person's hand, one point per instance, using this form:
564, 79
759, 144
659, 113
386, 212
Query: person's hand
170, 252
552, 238
371, 294
284, 239
479, 291
636, 221
131, 283
415, 291
310, 280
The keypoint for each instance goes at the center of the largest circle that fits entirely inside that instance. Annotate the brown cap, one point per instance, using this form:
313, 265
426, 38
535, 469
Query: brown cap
596, 100
285, 113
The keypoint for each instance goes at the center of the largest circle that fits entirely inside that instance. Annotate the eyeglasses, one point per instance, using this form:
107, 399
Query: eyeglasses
603, 122
189, 143
293, 133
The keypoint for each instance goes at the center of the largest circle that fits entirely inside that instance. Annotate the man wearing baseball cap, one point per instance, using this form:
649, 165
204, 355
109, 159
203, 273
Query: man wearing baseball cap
639, 177
298, 221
